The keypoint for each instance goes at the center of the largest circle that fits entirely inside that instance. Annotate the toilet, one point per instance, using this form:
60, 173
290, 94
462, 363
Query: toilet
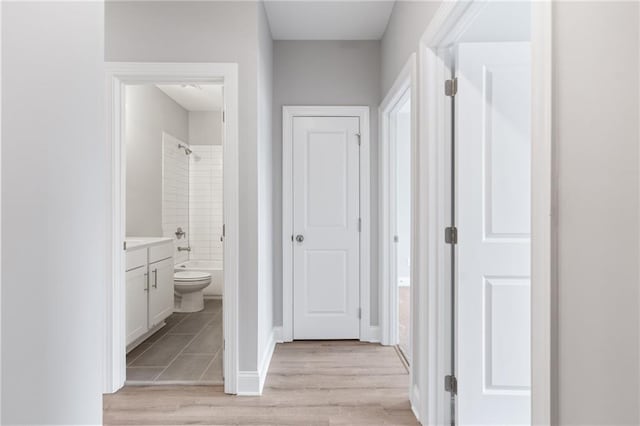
188, 286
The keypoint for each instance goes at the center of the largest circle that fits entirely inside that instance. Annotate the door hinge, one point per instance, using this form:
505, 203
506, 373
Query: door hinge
451, 235
395, 238
359, 313
451, 87
359, 138
451, 384
124, 245
224, 118
359, 225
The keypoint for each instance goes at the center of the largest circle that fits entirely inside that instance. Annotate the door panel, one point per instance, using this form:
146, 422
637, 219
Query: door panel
326, 210
493, 109
136, 302
161, 300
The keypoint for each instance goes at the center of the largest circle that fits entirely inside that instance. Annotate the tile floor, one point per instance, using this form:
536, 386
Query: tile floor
186, 350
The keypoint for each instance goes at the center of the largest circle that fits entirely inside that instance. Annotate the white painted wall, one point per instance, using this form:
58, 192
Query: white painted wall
596, 113
266, 188
221, 31
409, 19
148, 113
205, 127
325, 73
54, 194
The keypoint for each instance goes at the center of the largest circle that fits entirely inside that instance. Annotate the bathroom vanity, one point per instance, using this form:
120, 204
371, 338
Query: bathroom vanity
149, 286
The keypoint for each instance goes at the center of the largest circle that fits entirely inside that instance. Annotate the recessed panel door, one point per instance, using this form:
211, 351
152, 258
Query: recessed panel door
493, 122
325, 223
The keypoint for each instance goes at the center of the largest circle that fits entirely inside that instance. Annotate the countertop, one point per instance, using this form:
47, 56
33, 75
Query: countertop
134, 243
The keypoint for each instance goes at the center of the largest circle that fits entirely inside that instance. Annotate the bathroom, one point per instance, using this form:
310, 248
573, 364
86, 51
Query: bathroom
173, 136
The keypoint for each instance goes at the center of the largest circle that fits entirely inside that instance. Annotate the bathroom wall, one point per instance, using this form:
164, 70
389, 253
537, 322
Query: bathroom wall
205, 203
175, 194
148, 113
205, 127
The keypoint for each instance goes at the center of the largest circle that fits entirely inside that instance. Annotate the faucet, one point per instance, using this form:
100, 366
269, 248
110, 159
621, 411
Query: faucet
184, 248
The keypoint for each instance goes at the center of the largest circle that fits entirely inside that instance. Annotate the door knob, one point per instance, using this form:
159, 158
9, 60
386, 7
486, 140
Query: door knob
299, 238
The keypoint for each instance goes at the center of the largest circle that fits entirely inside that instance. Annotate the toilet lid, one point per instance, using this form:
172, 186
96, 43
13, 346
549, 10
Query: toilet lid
191, 275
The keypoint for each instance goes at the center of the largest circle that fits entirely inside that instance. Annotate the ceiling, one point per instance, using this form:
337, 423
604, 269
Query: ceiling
195, 97
328, 20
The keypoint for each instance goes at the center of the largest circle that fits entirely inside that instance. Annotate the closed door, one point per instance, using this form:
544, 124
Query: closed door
136, 302
161, 301
493, 110
326, 228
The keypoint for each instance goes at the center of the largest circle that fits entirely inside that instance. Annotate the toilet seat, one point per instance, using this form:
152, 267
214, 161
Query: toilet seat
189, 276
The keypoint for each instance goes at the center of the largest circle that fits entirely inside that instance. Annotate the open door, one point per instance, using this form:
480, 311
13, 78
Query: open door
492, 250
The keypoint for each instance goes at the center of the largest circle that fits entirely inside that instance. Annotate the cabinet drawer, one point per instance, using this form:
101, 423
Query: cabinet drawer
160, 252
136, 258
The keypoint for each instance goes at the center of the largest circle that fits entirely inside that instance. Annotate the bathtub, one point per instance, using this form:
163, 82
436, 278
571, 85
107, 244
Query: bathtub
215, 289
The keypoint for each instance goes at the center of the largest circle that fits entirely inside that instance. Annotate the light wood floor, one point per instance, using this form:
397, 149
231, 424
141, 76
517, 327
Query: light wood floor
309, 383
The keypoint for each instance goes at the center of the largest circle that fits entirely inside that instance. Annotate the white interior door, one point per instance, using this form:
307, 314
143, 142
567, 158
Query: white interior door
493, 105
326, 227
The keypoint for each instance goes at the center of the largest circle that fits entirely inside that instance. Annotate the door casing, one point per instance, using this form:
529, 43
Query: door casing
367, 332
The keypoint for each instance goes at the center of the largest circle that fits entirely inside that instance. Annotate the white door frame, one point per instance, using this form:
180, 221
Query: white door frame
288, 113
433, 352
405, 82
118, 75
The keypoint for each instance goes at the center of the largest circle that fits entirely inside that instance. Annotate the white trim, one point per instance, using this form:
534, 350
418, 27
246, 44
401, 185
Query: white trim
118, 74
404, 83
251, 383
288, 112
445, 27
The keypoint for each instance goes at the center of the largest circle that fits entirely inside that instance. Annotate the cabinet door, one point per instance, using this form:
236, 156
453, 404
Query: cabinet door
160, 291
136, 302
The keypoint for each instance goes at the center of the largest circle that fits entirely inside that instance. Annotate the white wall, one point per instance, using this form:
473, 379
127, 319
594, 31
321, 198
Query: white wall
325, 73
403, 172
596, 116
408, 22
267, 255
54, 194
176, 31
148, 113
205, 127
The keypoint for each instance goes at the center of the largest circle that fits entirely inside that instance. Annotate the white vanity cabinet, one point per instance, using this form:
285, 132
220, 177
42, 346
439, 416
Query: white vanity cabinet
149, 286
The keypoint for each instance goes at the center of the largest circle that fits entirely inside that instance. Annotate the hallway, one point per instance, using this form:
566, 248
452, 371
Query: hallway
309, 382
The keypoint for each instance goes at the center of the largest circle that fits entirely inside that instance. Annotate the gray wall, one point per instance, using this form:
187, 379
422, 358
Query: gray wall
148, 112
54, 183
408, 22
266, 193
596, 122
205, 128
325, 73
184, 31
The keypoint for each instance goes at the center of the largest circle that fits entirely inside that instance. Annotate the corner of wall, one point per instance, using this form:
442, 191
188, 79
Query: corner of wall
251, 383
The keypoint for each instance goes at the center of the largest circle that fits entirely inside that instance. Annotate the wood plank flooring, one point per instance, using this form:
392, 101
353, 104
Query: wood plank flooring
309, 383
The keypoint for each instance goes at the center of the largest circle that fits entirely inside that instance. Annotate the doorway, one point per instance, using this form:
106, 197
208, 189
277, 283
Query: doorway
325, 223
481, 79
396, 153
187, 254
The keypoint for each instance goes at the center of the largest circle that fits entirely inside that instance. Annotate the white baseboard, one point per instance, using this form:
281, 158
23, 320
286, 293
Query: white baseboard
251, 383
277, 334
373, 335
414, 400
